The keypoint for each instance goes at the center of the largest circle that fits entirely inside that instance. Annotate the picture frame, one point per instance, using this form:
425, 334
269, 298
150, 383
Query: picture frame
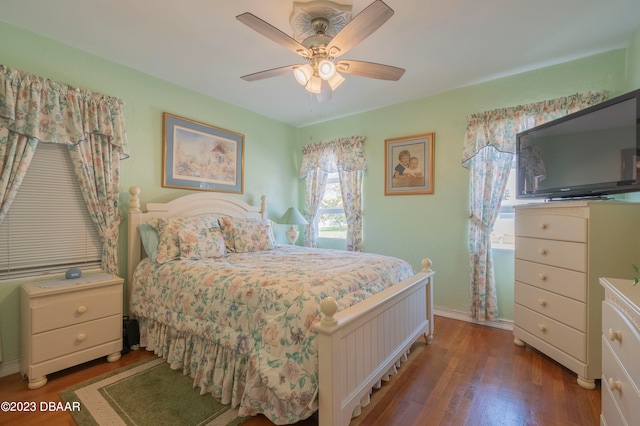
408, 165
201, 156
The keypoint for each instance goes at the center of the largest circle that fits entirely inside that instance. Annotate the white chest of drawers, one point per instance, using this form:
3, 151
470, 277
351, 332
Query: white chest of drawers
562, 248
68, 322
620, 352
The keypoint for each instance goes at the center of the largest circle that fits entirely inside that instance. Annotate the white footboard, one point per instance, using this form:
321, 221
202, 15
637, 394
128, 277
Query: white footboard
357, 346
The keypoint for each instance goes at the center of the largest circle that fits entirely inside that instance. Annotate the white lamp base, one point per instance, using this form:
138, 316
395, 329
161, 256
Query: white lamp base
292, 234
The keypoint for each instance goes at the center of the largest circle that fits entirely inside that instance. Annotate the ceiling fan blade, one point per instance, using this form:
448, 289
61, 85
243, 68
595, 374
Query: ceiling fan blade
274, 72
273, 33
362, 26
370, 70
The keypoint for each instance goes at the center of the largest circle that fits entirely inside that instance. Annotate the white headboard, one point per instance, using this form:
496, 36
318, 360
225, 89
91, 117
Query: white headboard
189, 205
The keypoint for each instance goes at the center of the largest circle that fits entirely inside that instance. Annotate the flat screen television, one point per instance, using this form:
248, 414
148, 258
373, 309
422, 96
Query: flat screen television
594, 152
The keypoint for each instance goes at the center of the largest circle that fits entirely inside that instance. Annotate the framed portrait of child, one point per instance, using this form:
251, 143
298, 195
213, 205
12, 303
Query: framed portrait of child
409, 164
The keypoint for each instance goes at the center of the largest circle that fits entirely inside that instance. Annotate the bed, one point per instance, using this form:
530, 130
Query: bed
274, 329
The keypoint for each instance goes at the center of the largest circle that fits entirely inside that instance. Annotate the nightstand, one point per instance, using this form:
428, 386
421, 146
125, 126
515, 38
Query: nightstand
65, 322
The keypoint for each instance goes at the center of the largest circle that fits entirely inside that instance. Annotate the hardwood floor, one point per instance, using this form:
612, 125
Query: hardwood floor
470, 375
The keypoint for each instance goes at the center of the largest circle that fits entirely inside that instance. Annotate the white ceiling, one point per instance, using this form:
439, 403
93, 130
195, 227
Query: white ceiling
442, 45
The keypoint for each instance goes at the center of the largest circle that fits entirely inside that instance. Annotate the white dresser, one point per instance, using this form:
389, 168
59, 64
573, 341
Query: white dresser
561, 250
68, 322
620, 352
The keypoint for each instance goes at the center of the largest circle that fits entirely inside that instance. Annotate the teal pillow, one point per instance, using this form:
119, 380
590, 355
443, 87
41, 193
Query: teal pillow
150, 240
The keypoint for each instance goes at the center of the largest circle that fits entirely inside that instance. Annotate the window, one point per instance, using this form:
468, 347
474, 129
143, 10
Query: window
332, 222
503, 235
48, 228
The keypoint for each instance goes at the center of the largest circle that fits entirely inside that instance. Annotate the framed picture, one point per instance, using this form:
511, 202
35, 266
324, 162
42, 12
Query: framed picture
199, 156
408, 165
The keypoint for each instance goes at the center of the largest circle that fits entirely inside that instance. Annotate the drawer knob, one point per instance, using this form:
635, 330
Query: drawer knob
542, 302
542, 251
615, 335
542, 328
615, 385
81, 337
542, 277
81, 309
544, 226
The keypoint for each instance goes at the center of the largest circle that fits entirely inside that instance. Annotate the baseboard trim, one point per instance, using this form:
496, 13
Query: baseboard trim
10, 367
463, 316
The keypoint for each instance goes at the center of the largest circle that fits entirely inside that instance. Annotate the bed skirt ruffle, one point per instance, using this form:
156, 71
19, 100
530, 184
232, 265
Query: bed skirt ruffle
220, 371
231, 378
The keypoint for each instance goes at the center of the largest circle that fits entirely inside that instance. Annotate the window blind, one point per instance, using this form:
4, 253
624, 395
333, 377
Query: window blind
48, 228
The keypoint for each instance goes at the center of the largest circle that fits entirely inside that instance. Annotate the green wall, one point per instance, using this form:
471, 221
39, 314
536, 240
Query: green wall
633, 61
409, 227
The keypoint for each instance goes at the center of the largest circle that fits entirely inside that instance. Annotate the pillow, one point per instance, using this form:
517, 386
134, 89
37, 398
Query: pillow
226, 224
247, 235
205, 244
168, 229
150, 240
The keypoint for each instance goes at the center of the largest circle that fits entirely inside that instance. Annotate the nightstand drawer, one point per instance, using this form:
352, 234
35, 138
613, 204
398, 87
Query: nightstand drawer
563, 337
562, 281
555, 227
61, 310
560, 308
63, 341
555, 253
623, 338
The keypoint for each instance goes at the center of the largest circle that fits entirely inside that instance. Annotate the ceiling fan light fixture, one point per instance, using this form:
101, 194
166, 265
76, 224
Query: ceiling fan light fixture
303, 74
326, 69
335, 81
314, 85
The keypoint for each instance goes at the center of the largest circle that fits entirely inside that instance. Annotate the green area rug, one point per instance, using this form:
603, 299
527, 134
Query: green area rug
147, 393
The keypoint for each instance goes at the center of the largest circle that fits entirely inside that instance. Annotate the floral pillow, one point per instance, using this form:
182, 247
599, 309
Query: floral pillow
169, 228
204, 244
246, 235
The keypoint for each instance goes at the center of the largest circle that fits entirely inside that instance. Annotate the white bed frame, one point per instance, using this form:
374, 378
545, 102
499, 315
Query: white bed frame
356, 346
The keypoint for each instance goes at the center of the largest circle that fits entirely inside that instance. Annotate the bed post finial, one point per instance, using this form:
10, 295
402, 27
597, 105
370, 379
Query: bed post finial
329, 307
426, 265
134, 201
263, 206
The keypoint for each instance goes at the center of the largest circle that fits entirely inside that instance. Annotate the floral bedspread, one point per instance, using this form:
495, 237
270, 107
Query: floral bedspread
262, 306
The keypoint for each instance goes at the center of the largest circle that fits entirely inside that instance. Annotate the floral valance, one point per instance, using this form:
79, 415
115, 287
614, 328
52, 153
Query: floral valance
498, 127
52, 112
339, 154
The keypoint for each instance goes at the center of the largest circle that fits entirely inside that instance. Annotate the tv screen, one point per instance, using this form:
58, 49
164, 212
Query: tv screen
591, 153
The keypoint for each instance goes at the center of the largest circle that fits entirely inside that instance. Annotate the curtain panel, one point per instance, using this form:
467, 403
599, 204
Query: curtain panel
35, 109
343, 155
498, 128
489, 146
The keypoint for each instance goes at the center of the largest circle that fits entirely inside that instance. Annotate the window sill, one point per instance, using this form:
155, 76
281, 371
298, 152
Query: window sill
503, 247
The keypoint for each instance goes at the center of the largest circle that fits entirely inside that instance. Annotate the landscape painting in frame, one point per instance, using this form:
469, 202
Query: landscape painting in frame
409, 165
200, 156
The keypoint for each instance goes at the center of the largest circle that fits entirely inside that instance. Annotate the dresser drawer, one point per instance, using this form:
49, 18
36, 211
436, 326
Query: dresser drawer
560, 308
554, 227
565, 282
611, 415
61, 310
623, 338
555, 253
555, 333
618, 382
63, 341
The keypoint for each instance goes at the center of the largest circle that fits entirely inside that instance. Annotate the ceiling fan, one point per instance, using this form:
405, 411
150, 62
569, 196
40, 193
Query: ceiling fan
321, 72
